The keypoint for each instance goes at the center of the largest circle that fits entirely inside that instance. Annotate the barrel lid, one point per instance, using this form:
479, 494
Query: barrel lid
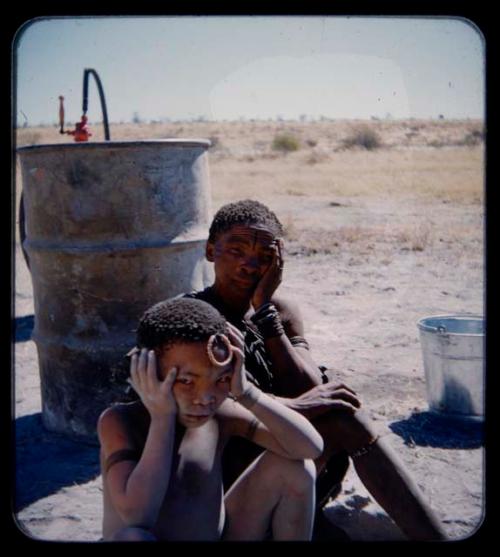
458, 324
175, 142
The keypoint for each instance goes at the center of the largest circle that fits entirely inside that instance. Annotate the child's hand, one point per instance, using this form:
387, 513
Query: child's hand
239, 382
156, 395
271, 279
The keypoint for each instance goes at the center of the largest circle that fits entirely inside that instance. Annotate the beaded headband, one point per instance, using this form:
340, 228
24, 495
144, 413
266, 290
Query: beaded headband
210, 345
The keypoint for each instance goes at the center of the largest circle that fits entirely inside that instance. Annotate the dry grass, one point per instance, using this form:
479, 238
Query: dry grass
451, 175
415, 237
286, 143
316, 189
357, 239
257, 137
363, 136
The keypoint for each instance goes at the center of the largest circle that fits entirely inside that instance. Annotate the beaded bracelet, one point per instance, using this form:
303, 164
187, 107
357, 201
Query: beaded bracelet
268, 321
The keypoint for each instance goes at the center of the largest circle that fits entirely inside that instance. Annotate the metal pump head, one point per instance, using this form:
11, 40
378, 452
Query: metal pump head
81, 131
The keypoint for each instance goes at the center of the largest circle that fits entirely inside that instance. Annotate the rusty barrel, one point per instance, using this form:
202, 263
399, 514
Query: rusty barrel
110, 229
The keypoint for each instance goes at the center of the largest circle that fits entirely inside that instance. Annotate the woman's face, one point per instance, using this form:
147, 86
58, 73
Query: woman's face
241, 256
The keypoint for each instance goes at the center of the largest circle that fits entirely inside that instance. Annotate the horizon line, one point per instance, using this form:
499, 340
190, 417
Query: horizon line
248, 120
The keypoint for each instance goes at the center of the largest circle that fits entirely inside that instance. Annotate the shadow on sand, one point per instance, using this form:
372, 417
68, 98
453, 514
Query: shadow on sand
46, 462
23, 327
428, 429
361, 523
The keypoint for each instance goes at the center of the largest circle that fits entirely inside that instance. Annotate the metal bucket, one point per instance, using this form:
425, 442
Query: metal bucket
111, 228
453, 356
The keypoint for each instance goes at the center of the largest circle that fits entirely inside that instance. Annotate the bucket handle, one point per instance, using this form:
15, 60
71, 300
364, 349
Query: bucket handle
441, 331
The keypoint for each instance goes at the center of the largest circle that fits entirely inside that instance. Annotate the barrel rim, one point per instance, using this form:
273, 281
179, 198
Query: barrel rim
186, 142
459, 316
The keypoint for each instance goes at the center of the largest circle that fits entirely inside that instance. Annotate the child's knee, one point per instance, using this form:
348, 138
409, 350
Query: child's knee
308, 472
282, 471
300, 477
133, 534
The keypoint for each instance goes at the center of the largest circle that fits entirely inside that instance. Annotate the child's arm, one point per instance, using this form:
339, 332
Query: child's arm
137, 489
267, 421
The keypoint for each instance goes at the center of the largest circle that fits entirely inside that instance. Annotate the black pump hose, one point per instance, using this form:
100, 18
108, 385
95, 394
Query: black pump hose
86, 74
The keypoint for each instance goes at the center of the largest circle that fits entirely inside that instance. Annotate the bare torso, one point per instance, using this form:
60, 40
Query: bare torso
193, 508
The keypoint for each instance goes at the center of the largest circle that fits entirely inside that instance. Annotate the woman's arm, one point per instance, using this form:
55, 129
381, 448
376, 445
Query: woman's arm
295, 371
270, 423
137, 489
296, 376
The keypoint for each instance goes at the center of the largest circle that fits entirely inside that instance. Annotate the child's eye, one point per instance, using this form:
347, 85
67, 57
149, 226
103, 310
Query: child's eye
235, 251
184, 381
224, 379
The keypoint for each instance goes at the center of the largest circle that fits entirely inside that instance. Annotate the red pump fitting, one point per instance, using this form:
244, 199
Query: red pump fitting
81, 131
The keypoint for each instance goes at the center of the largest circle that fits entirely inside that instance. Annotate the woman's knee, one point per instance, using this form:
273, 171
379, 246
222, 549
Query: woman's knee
133, 534
350, 431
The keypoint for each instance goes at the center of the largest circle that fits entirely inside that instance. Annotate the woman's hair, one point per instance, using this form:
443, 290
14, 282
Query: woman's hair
178, 320
245, 212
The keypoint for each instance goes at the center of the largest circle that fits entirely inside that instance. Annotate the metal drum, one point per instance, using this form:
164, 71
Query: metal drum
453, 356
111, 228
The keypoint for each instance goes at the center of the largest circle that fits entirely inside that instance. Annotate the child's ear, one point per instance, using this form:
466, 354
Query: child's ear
209, 251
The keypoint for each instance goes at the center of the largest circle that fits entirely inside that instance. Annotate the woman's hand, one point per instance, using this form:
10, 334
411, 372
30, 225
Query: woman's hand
325, 398
156, 395
239, 382
271, 279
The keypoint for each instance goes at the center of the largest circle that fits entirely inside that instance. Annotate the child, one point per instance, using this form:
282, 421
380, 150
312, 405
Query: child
161, 455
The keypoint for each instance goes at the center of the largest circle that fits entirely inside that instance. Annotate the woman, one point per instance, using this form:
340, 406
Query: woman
245, 244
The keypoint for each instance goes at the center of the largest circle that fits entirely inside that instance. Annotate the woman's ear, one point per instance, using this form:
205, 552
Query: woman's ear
209, 251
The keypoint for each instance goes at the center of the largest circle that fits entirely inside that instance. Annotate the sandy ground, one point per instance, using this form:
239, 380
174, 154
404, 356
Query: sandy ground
392, 262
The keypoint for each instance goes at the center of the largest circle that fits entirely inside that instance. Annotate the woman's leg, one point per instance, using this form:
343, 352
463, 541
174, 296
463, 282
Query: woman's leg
382, 473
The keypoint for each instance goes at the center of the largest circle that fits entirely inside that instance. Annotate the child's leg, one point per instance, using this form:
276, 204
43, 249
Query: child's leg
273, 493
133, 534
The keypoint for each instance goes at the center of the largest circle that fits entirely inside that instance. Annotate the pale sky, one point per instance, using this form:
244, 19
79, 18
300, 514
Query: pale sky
231, 67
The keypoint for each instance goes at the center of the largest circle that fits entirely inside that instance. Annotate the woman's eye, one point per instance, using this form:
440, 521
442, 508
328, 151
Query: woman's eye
184, 381
224, 379
235, 251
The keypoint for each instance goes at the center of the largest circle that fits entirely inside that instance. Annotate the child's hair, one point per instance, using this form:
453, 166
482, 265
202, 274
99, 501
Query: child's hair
245, 212
178, 320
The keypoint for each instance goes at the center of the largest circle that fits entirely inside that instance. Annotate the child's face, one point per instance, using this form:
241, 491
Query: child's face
200, 387
241, 256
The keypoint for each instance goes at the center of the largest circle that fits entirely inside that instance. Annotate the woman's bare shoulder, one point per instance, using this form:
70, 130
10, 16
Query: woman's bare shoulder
286, 305
291, 315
